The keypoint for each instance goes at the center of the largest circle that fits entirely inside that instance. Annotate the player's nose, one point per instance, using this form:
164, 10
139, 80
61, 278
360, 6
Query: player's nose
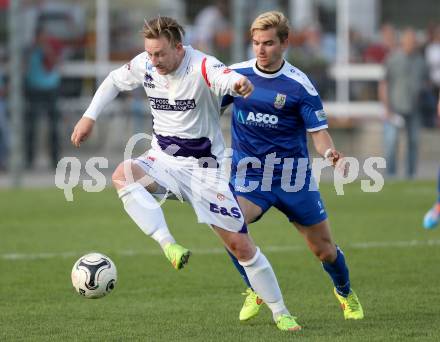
154, 60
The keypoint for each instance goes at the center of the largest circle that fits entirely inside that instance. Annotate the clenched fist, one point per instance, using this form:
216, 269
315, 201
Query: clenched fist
337, 160
244, 87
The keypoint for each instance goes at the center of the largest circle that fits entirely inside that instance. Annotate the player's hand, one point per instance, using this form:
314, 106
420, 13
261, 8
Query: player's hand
338, 162
244, 87
82, 131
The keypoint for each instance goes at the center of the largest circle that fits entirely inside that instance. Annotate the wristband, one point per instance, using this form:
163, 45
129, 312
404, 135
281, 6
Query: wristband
327, 153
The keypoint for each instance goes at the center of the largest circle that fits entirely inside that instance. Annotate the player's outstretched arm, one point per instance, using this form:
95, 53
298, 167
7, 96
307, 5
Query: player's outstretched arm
223, 81
105, 93
82, 131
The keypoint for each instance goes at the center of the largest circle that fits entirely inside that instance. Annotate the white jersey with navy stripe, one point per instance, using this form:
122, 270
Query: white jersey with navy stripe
185, 104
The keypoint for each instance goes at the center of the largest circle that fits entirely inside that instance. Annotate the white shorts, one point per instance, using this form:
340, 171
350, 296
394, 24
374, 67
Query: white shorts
206, 189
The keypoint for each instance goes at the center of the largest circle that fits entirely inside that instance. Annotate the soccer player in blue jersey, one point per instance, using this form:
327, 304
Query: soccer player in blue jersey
269, 131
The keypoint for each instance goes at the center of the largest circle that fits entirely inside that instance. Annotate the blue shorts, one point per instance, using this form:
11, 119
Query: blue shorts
304, 206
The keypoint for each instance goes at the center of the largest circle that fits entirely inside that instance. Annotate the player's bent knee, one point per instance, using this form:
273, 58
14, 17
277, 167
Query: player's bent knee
126, 173
326, 254
119, 178
242, 249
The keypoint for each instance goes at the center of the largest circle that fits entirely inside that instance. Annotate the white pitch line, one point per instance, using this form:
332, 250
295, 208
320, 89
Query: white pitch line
217, 250
394, 244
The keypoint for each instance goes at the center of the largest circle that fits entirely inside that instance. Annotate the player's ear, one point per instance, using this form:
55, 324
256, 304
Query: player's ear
285, 43
179, 46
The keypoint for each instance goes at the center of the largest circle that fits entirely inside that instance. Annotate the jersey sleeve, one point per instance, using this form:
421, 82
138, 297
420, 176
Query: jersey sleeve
125, 78
105, 93
312, 112
218, 77
227, 100
130, 76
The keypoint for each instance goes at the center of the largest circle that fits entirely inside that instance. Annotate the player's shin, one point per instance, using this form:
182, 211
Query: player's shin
338, 271
263, 281
239, 268
144, 210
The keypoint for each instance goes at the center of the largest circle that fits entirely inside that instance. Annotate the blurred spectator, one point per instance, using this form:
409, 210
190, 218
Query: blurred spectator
312, 53
212, 33
63, 20
42, 83
4, 127
432, 54
319, 45
4, 12
31, 10
359, 89
378, 52
358, 45
406, 77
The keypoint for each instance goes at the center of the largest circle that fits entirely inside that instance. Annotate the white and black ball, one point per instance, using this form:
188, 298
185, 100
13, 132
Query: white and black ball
94, 275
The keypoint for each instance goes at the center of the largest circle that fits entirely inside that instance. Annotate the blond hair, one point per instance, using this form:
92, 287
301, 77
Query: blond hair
272, 19
163, 27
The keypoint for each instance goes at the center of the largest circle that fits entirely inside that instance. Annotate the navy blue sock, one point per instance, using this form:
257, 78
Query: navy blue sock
239, 268
338, 271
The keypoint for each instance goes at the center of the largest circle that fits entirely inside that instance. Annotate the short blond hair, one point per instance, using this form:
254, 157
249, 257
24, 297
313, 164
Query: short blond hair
272, 19
164, 27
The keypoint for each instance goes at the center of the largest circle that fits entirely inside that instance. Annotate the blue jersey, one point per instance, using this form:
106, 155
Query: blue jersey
275, 118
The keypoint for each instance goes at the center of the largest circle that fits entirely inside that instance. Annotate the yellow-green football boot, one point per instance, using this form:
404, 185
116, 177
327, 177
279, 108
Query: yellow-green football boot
251, 306
287, 323
177, 255
350, 305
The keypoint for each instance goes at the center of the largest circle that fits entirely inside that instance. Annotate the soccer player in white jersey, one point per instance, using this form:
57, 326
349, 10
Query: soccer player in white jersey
184, 87
270, 128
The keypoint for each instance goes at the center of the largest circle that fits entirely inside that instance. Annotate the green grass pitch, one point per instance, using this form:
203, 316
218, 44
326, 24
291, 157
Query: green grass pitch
394, 265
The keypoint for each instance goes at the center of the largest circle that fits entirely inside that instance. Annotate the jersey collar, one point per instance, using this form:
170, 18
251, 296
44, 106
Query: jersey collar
268, 75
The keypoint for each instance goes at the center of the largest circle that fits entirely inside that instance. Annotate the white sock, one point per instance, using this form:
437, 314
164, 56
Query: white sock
144, 210
264, 282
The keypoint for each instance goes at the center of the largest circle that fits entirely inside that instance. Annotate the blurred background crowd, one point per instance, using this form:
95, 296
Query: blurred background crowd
53, 54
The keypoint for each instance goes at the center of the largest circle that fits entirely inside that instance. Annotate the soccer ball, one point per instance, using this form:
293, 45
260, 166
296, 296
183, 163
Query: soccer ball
94, 275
